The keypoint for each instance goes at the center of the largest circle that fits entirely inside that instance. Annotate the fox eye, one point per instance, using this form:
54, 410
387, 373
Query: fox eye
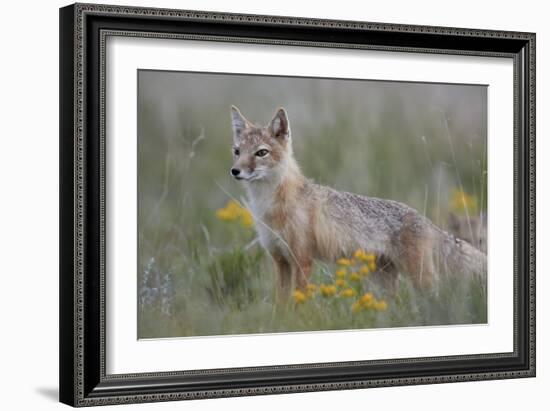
236, 151
262, 153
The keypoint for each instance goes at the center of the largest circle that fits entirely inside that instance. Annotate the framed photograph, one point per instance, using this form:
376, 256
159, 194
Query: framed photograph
262, 204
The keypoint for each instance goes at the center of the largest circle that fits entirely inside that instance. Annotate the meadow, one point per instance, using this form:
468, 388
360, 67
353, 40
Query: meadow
201, 270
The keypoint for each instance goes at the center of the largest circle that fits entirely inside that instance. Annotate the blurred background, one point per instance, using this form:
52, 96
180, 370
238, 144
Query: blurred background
200, 270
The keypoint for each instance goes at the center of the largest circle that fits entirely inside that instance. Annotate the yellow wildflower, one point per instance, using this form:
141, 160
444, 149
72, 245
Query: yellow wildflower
234, 211
348, 292
367, 299
372, 266
344, 262
341, 273
327, 290
364, 270
367, 302
224, 214
310, 290
299, 297
354, 276
380, 305
361, 255
364, 256
356, 307
461, 202
340, 282
246, 218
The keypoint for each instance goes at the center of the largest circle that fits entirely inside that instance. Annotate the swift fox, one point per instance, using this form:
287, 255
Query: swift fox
298, 220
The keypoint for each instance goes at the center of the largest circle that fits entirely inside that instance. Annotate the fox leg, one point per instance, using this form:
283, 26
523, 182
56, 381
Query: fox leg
416, 260
302, 272
422, 270
415, 254
386, 275
284, 276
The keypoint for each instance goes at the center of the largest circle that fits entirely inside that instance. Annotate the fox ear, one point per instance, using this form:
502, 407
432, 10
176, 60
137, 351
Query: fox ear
279, 125
238, 122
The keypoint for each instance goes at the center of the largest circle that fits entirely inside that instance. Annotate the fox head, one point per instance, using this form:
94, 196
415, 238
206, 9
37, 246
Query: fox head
260, 152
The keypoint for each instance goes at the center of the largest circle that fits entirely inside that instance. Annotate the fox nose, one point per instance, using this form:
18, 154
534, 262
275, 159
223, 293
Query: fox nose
235, 172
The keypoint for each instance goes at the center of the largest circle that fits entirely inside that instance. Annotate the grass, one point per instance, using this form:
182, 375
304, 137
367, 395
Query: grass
236, 295
202, 273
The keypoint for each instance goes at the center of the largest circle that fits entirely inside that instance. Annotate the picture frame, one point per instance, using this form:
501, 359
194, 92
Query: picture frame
84, 223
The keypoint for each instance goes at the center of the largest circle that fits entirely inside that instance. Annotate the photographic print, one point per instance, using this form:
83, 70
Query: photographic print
317, 188
271, 204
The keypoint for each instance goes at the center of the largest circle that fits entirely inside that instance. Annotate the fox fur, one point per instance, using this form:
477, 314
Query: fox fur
298, 220
470, 228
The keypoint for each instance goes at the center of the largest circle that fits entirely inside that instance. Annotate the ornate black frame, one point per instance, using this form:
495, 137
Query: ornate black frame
83, 30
